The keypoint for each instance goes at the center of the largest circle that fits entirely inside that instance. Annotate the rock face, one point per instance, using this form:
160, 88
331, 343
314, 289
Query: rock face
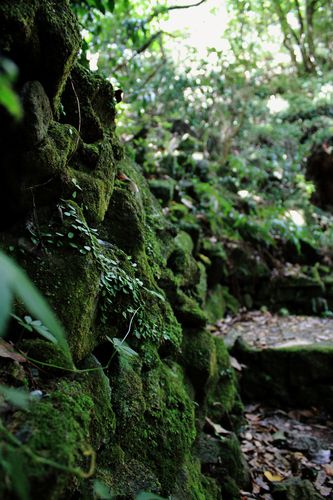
319, 169
111, 266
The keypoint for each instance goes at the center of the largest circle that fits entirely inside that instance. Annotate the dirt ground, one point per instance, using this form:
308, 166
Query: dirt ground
279, 444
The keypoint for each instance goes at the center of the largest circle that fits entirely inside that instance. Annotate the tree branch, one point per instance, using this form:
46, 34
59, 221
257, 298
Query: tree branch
141, 49
300, 17
163, 10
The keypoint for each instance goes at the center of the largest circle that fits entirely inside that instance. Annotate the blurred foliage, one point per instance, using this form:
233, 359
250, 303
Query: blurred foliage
233, 128
8, 97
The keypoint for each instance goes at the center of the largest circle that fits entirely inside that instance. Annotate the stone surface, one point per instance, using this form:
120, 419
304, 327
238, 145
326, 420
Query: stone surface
37, 113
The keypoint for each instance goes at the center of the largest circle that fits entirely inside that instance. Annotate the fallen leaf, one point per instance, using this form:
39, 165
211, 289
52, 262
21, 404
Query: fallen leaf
217, 427
7, 351
324, 491
260, 483
235, 364
272, 477
328, 468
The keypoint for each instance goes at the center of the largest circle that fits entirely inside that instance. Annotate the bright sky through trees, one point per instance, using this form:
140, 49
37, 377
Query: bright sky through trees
203, 25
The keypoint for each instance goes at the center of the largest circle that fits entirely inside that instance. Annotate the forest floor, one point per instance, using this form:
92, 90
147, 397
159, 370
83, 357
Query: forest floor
263, 329
294, 445
281, 444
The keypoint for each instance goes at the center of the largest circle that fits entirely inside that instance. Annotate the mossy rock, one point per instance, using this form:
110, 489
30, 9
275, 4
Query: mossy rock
53, 361
191, 483
46, 41
201, 286
49, 158
291, 376
184, 242
95, 113
223, 402
126, 211
223, 460
219, 300
187, 311
199, 359
37, 113
97, 385
94, 194
55, 429
163, 189
155, 417
295, 489
127, 477
185, 266
70, 281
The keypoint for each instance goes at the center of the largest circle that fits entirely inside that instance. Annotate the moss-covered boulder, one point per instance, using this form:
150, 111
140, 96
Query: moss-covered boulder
124, 282
297, 375
42, 38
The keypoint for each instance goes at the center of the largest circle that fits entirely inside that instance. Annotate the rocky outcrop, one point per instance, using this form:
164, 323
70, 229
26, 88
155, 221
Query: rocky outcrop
84, 224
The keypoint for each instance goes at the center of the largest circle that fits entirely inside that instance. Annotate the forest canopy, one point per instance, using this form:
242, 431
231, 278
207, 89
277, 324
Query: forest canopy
245, 109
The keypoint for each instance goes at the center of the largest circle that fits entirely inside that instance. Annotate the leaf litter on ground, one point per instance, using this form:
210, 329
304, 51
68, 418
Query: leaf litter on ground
280, 444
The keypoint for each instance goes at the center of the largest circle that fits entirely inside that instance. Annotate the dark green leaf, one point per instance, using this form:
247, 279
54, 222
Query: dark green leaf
102, 491
145, 495
16, 397
123, 348
5, 299
110, 5
26, 291
14, 466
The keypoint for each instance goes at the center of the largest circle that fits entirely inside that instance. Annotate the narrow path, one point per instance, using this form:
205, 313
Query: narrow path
262, 330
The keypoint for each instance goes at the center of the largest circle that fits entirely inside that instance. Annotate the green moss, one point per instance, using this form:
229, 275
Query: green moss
126, 211
163, 189
201, 287
97, 106
71, 284
49, 158
218, 302
60, 41
157, 323
155, 418
215, 304
57, 429
192, 484
199, 358
95, 194
223, 460
127, 478
184, 242
188, 312
46, 352
45, 45
299, 375
169, 421
185, 266
294, 489
97, 385
226, 391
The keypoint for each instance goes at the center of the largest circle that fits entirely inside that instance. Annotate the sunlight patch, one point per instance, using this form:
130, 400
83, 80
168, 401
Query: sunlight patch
297, 216
93, 60
276, 104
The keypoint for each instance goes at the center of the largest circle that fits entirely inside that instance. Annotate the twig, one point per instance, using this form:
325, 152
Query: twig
40, 185
130, 325
158, 12
79, 113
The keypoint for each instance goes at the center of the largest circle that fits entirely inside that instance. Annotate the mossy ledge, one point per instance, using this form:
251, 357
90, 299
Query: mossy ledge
111, 266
